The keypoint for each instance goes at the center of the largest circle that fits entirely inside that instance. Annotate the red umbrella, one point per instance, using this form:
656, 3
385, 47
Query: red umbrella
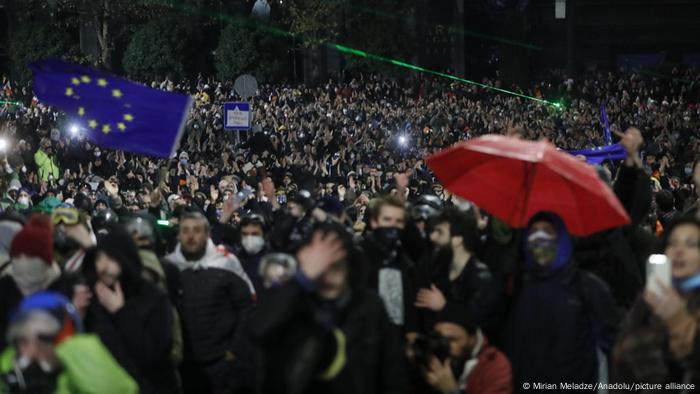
514, 179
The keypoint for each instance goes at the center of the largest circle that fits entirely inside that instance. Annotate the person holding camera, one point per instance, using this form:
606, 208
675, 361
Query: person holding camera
457, 358
658, 338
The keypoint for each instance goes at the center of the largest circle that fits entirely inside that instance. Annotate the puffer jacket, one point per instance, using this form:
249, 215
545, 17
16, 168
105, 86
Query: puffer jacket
217, 300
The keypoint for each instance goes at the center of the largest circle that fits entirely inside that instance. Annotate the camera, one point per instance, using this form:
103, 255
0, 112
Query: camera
431, 345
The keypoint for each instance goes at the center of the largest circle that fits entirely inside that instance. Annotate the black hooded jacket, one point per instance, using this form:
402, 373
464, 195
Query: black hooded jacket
139, 335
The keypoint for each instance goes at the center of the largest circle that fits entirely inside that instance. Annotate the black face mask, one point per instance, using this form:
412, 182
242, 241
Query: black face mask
388, 236
32, 379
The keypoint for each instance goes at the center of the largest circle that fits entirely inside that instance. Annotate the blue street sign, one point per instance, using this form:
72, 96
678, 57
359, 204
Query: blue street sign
237, 116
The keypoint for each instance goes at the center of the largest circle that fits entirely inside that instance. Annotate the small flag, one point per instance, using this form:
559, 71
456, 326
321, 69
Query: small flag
599, 154
606, 124
114, 112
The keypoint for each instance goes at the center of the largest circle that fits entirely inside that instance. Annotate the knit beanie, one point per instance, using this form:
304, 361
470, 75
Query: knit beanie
35, 239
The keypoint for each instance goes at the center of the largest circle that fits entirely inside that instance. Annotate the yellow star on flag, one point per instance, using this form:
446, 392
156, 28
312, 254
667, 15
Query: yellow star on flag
121, 126
92, 123
69, 91
116, 93
102, 82
106, 129
81, 111
85, 79
128, 117
75, 81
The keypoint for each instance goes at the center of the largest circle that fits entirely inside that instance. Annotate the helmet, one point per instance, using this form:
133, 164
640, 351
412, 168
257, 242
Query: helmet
141, 228
103, 220
430, 200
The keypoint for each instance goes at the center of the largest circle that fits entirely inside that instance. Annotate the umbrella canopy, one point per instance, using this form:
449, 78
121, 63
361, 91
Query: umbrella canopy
514, 179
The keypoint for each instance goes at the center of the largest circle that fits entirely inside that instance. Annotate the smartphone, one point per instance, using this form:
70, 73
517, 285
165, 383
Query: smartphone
658, 270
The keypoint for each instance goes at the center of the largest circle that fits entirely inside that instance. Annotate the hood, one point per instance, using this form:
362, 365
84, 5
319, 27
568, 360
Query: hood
564, 243
214, 257
119, 245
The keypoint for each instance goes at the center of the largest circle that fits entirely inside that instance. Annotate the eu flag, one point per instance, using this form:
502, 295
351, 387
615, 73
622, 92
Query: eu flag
115, 112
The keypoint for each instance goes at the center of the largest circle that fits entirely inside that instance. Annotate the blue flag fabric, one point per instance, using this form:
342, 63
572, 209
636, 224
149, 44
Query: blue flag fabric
599, 154
604, 117
114, 112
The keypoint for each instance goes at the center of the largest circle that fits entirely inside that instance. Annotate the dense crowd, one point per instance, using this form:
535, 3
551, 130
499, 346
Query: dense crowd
320, 254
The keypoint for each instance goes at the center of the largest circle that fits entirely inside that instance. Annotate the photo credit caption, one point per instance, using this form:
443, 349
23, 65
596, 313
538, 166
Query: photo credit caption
608, 386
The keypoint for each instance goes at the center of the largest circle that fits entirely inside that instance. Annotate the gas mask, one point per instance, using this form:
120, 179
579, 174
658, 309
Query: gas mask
388, 236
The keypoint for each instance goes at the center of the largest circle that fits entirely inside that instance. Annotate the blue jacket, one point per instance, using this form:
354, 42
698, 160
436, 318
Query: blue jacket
559, 318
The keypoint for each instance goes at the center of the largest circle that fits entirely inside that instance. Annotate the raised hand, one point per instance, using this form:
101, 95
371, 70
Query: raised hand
323, 251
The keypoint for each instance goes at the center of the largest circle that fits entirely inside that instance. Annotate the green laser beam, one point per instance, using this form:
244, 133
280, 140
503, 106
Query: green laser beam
450, 29
353, 51
357, 52
10, 102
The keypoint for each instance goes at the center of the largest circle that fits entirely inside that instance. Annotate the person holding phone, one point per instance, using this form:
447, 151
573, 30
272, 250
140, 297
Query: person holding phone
657, 343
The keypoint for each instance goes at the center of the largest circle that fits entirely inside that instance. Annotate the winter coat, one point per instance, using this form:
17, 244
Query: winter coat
216, 303
251, 264
139, 335
559, 318
300, 344
618, 255
377, 258
87, 368
475, 292
490, 372
46, 165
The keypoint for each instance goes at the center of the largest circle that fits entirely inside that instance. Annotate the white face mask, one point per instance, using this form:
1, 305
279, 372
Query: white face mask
252, 243
30, 273
23, 200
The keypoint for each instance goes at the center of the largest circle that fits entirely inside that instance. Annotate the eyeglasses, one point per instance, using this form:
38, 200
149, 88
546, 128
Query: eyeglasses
67, 216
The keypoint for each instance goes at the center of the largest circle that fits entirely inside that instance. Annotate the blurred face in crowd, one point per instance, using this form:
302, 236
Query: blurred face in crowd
683, 249
295, 209
274, 274
440, 236
108, 270
223, 185
542, 242
193, 236
333, 283
177, 200
461, 343
23, 198
34, 344
390, 216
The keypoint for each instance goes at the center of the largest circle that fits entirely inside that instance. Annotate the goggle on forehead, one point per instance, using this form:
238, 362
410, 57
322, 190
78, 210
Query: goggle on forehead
540, 236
